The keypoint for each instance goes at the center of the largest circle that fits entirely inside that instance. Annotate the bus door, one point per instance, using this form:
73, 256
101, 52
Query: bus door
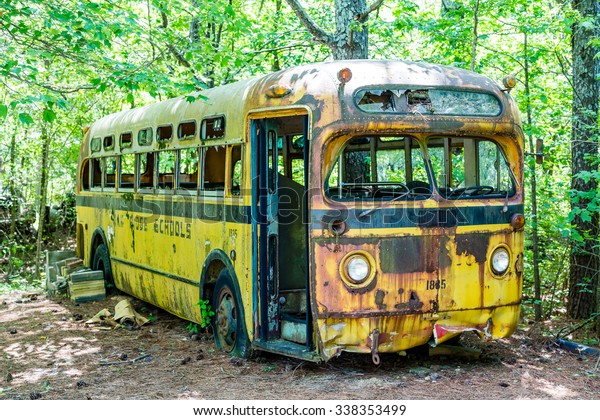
266, 218
281, 233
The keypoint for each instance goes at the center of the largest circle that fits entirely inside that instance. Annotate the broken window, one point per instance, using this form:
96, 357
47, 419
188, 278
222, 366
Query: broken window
145, 137
236, 169
470, 168
97, 166
166, 169
377, 167
126, 140
110, 171
428, 101
214, 169
127, 175
186, 130
189, 161
212, 128
109, 142
146, 170
85, 175
164, 133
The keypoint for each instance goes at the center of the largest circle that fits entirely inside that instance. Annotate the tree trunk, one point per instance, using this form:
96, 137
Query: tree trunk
45, 170
537, 284
15, 204
475, 36
276, 65
352, 36
583, 281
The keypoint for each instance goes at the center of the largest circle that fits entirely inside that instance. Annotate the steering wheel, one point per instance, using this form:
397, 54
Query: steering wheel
474, 191
394, 190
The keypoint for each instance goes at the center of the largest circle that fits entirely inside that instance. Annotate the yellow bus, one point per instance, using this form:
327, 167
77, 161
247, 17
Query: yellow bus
351, 206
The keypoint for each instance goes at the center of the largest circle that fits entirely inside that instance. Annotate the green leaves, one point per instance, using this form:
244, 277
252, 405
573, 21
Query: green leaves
3, 111
48, 115
25, 118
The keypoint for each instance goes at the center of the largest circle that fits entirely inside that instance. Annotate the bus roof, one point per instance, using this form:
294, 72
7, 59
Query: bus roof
305, 85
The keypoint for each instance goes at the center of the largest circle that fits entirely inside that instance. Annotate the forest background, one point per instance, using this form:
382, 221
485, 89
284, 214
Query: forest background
65, 63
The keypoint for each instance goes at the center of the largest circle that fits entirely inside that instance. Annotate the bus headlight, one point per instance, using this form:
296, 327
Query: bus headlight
500, 261
358, 268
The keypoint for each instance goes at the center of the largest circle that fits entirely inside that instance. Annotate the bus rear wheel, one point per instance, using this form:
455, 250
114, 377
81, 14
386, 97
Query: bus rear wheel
228, 323
101, 262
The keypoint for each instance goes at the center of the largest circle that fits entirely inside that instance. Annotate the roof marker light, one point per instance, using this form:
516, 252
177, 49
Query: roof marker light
344, 75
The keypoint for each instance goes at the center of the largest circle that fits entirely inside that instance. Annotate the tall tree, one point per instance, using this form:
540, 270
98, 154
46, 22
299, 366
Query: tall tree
351, 37
583, 283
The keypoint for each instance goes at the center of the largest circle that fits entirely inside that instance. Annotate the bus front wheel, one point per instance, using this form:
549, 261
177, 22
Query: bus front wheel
101, 262
228, 323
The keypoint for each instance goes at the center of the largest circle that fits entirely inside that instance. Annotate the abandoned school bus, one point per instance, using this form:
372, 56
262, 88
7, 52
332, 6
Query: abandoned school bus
359, 206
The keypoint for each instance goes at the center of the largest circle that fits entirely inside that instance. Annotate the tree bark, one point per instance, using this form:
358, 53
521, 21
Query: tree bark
351, 38
537, 284
475, 36
45, 170
15, 204
583, 279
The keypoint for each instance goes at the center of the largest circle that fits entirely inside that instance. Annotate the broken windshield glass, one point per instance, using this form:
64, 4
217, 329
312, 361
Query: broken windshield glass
428, 101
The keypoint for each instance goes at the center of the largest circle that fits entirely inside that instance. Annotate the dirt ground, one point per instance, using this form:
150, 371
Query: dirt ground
47, 351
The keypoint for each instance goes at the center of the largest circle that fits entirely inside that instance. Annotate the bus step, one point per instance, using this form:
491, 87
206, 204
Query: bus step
294, 331
287, 348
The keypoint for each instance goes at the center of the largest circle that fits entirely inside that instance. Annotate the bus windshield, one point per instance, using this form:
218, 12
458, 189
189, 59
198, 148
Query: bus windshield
470, 168
379, 167
393, 168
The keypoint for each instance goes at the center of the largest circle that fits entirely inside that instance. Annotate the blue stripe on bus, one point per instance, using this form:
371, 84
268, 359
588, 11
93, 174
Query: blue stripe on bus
196, 209
355, 218
416, 217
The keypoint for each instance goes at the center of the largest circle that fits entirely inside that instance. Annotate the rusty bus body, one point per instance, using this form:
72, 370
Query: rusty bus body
343, 206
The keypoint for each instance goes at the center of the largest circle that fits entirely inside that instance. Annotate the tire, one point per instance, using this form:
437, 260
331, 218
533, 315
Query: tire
228, 322
101, 262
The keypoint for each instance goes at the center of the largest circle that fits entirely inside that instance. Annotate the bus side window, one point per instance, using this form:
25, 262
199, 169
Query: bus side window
146, 171
214, 168
85, 175
111, 172
188, 169
298, 171
127, 173
97, 170
166, 169
235, 170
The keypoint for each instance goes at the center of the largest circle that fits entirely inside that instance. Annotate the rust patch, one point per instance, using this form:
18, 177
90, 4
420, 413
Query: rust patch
414, 303
413, 254
379, 299
475, 244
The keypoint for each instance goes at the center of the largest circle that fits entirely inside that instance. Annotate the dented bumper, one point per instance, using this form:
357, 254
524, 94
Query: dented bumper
398, 333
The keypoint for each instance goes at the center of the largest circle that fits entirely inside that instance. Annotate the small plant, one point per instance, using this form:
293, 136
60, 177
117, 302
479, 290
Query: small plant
192, 327
206, 312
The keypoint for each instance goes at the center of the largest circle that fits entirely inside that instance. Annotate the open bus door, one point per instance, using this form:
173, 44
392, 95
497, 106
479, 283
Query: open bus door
280, 229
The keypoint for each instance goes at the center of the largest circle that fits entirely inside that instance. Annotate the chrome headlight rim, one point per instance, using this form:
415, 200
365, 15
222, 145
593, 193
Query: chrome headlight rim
500, 260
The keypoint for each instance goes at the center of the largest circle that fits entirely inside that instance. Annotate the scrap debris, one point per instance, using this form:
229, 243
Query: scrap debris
125, 316
123, 362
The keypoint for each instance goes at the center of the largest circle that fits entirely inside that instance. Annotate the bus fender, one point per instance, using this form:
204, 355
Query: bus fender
98, 237
216, 261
